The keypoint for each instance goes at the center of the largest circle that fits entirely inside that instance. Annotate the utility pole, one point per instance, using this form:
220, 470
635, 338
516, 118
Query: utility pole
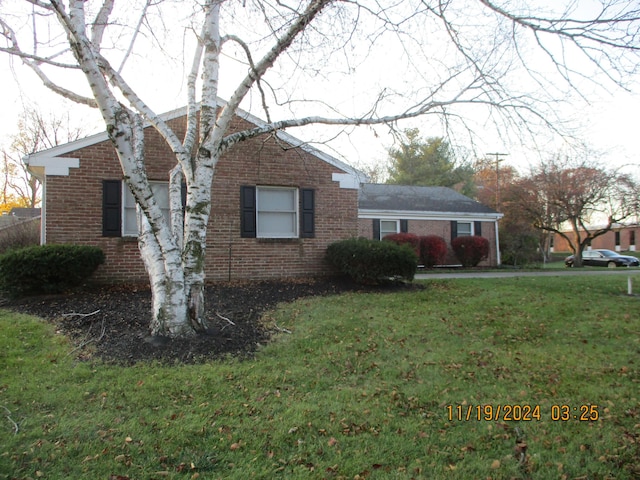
498, 160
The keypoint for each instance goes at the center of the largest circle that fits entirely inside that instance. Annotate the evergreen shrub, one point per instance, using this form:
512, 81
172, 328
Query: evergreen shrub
47, 268
470, 250
372, 262
433, 250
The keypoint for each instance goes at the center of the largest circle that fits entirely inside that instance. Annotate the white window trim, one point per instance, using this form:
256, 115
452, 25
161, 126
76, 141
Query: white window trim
471, 229
296, 212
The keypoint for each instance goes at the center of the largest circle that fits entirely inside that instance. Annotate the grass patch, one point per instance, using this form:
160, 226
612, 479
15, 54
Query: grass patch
365, 386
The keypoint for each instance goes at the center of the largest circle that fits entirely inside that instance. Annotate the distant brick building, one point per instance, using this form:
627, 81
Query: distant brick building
622, 238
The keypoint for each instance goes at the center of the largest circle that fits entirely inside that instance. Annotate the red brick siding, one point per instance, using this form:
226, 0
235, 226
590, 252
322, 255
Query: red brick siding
74, 210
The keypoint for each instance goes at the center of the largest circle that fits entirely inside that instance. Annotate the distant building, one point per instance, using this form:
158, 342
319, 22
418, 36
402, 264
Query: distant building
622, 238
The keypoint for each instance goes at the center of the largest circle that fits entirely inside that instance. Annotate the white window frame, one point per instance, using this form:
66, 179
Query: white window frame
465, 234
291, 214
385, 232
130, 211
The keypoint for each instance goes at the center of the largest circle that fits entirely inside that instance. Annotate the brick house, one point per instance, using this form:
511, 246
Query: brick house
441, 211
313, 195
622, 238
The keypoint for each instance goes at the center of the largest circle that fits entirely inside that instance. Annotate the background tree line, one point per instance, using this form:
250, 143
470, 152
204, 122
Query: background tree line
573, 196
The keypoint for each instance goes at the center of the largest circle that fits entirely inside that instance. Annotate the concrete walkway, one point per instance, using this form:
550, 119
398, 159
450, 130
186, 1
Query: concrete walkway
538, 273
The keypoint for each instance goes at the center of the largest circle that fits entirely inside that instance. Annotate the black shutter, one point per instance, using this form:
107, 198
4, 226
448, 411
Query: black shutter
477, 229
404, 226
376, 229
454, 229
248, 212
307, 213
111, 208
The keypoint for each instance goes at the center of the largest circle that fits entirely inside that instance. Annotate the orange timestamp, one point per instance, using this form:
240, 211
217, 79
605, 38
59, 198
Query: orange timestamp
525, 413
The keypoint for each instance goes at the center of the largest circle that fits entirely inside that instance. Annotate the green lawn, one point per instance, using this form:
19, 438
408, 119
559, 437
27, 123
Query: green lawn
371, 386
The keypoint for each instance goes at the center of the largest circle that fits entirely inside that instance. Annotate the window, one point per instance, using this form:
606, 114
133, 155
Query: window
382, 228
277, 212
119, 216
129, 213
464, 229
388, 227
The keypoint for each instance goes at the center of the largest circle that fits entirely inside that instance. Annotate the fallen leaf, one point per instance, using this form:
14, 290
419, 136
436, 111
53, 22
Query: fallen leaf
495, 464
332, 441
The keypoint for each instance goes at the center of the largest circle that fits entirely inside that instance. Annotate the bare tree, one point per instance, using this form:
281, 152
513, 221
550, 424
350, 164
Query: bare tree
35, 132
457, 53
581, 195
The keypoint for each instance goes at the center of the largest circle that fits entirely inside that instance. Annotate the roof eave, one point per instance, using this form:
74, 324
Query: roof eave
427, 215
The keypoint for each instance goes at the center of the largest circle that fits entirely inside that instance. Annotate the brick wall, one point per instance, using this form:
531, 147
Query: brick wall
74, 209
629, 238
440, 228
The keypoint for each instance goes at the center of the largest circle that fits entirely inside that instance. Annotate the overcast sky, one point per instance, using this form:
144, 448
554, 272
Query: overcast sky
608, 123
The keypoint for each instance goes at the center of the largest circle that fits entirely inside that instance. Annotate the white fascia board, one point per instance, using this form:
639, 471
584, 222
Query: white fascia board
179, 112
69, 147
412, 215
58, 166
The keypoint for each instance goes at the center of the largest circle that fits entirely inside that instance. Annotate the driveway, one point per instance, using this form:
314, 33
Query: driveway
538, 273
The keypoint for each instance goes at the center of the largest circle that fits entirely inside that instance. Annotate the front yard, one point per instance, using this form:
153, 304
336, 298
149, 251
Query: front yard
504, 378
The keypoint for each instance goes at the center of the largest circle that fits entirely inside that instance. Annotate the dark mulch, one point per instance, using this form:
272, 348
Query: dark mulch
111, 323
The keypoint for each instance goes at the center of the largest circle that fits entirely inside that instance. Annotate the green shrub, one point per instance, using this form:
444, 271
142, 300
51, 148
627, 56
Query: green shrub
370, 262
470, 250
47, 268
433, 250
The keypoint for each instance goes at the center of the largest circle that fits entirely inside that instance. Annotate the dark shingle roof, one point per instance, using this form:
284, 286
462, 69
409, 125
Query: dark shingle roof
373, 196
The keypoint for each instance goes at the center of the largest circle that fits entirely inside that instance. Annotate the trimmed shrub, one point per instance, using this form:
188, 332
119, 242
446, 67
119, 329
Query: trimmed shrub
404, 239
371, 262
47, 268
433, 250
470, 250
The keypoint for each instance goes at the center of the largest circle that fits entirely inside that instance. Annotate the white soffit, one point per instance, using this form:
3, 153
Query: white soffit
56, 166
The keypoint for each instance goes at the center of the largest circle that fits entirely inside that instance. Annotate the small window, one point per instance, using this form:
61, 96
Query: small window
277, 212
388, 227
129, 214
464, 229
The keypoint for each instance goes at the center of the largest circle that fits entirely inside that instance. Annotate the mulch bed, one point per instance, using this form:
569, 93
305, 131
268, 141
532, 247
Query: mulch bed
111, 323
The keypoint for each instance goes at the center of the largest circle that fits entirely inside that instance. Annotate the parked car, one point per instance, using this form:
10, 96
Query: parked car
604, 258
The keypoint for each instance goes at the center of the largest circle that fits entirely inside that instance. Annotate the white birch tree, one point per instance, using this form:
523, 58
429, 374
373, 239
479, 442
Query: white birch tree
481, 54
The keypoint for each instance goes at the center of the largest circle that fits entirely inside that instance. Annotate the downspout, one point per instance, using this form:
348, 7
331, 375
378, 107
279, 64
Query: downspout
498, 259
42, 177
